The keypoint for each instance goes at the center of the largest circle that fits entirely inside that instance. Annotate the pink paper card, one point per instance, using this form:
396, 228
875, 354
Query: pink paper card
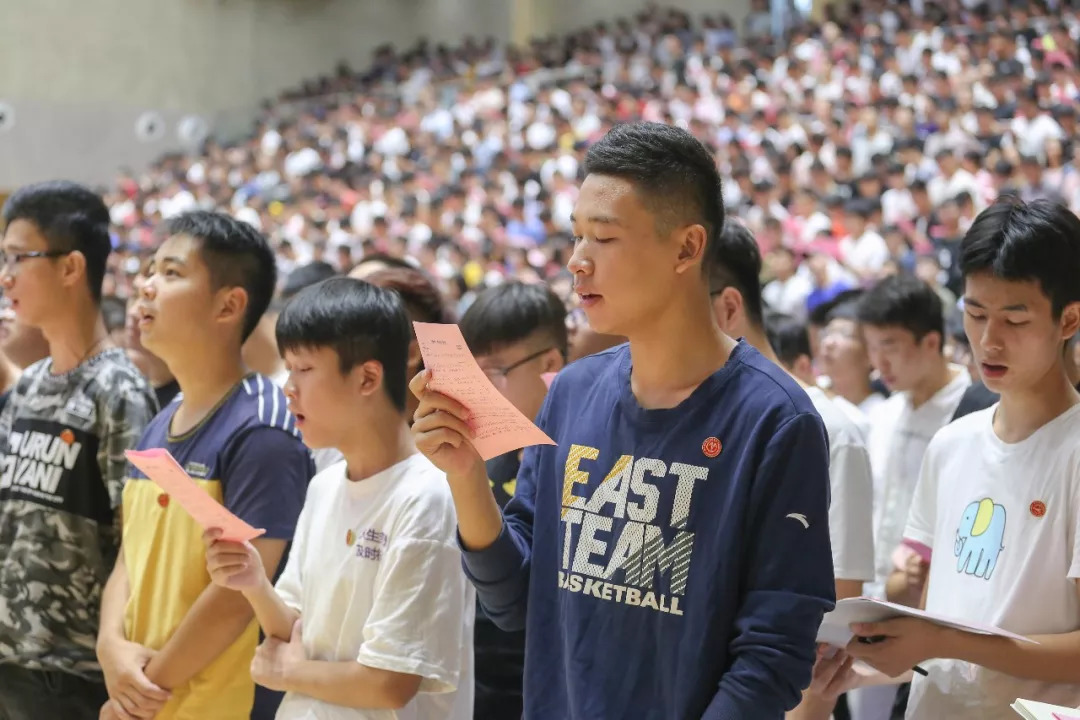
1059, 716
499, 427
548, 378
920, 549
159, 465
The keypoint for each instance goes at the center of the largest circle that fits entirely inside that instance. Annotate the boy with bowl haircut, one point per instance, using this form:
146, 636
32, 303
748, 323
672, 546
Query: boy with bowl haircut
996, 499
375, 572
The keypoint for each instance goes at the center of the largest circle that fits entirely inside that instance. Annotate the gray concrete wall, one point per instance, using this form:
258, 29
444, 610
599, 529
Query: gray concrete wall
77, 75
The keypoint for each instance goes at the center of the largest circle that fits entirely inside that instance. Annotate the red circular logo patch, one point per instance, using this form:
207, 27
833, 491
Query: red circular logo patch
711, 447
67, 436
163, 500
1038, 508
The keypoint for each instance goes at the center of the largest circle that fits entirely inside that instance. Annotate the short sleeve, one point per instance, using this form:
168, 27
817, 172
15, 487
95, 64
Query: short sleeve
417, 622
851, 512
1074, 517
290, 584
128, 410
266, 473
922, 518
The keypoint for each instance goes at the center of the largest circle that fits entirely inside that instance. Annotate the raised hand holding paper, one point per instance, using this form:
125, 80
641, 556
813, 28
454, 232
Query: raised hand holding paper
499, 426
159, 465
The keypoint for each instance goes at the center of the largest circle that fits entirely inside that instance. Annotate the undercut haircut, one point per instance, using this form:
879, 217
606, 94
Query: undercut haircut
71, 218
235, 254
674, 174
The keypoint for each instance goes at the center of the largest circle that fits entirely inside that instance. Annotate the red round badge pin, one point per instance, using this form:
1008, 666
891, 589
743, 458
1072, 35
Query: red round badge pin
711, 447
163, 500
67, 436
1038, 508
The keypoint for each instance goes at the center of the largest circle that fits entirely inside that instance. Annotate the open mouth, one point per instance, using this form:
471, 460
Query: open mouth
990, 370
589, 299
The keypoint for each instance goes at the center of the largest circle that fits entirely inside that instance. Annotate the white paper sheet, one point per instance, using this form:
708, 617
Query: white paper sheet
836, 626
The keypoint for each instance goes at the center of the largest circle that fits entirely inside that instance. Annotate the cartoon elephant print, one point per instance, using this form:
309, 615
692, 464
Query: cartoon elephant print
979, 538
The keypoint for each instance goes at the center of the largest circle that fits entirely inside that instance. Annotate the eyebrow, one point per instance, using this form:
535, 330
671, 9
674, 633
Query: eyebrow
172, 259
600, 219
1019, 307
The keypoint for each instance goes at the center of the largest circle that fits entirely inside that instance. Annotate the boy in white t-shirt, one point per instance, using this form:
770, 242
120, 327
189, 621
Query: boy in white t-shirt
998, 500
374, 574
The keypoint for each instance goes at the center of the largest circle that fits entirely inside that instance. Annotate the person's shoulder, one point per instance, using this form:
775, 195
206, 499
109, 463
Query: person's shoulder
116, 378
762, 388
586, 371
961, 430
841, 429
326, 483
421, 502
259, 403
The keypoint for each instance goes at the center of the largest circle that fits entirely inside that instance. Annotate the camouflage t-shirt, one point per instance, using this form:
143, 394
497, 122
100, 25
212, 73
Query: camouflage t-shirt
62, 443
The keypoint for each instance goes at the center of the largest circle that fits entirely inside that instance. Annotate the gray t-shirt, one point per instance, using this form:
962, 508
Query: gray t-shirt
62, 443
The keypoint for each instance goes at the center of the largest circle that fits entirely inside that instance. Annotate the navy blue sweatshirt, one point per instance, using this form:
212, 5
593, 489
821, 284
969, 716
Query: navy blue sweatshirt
671, 563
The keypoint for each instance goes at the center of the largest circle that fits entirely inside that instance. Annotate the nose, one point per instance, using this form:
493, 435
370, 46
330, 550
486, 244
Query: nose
289, 388
991, 337
579, 262
147, 289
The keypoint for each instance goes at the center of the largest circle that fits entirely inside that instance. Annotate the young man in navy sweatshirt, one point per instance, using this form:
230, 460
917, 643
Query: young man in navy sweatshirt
670, 557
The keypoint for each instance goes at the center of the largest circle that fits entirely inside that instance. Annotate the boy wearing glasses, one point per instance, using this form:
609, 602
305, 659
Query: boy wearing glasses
63, 434
517, 332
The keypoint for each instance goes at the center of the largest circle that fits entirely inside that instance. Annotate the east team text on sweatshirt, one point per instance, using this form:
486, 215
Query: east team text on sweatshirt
666, 563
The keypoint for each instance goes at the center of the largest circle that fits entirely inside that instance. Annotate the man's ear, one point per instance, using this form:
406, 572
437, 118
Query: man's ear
804, 369
729, 310
1070, 320
692, 240
367, 377
72, 269
552, 361
234, 303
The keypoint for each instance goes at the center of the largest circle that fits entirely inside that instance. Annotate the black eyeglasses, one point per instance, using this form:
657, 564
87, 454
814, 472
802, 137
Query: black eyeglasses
501, 373
11, 259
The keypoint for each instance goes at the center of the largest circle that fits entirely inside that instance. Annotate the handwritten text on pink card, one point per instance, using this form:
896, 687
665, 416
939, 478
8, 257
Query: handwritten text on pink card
159, 465
499, 427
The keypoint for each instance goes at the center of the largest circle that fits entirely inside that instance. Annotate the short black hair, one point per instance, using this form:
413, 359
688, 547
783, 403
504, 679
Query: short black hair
71, 218
236, 255
737, 264
903, 301
355, 319
1037, 241
305, 275
789, 338
841, 306
511, 312
674, 173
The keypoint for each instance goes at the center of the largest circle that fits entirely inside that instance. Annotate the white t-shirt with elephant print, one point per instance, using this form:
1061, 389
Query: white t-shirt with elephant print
1002, 521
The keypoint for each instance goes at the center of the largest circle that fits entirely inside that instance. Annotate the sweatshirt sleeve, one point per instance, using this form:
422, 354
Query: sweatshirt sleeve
500, 572
788, 577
